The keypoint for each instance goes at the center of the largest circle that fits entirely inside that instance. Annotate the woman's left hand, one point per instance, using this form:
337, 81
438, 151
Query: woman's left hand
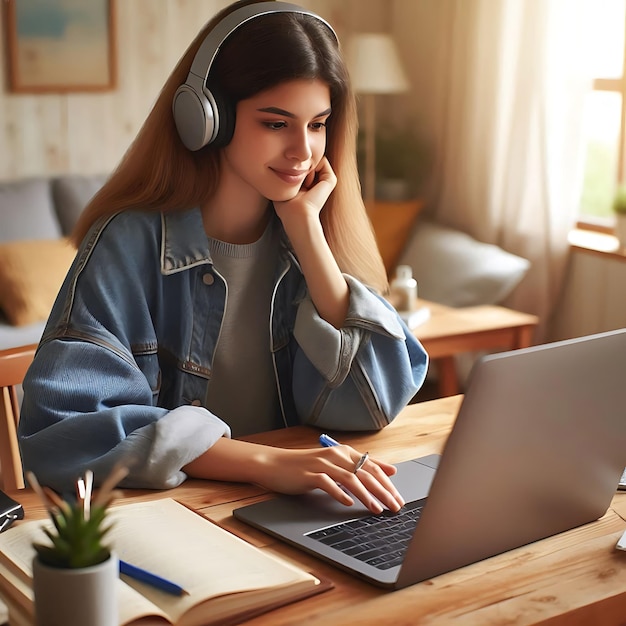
308, 202
300, 217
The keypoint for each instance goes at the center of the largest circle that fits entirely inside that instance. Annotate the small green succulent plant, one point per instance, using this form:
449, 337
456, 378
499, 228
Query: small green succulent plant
76, 540
619, 200
80, 526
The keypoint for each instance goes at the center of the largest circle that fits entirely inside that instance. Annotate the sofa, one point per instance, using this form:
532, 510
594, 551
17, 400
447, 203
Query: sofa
37, 215
450, 266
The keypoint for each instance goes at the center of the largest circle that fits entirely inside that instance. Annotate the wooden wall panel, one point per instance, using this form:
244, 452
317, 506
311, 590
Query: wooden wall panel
89, 132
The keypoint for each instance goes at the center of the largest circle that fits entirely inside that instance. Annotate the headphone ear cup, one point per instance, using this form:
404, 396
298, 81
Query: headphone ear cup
194, 117
225, 119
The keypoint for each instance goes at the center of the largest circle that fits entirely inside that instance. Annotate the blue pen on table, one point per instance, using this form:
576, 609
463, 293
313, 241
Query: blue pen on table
327, 441
151, 579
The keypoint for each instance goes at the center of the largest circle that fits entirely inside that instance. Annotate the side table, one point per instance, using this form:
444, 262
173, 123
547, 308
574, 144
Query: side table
450, 331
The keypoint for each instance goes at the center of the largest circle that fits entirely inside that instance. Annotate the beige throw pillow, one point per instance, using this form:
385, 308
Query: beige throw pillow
453, 268
31, 274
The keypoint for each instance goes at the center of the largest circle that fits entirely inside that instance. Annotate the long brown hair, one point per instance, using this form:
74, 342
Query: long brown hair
158, 173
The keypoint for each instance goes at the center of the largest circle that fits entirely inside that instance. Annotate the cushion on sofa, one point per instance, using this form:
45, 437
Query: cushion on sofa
31, 274
27, 211
392, 222
71, 194
13, 336
453, 268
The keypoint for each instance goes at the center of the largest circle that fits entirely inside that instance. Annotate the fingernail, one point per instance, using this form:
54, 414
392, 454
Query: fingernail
376, 506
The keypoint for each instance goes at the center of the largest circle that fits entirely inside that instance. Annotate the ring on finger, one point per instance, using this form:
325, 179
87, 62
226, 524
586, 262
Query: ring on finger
361, 462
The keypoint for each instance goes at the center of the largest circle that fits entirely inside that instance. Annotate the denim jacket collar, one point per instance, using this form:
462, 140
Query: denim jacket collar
184, 242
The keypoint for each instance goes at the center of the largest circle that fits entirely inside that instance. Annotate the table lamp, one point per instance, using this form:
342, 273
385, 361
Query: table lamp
375, 68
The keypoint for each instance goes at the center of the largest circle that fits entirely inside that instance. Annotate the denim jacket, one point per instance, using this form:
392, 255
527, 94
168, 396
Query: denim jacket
122, 368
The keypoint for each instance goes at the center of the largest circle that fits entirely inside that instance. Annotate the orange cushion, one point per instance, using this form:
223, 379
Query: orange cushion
31, 274
392, 222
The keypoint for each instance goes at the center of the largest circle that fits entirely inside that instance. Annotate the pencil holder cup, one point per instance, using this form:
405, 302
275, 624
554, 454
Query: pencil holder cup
73, 597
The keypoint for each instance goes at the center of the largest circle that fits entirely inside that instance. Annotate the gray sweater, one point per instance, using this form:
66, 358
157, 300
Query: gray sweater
242, 391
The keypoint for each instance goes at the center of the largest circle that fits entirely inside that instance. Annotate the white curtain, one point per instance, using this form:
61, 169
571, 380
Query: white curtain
511, 98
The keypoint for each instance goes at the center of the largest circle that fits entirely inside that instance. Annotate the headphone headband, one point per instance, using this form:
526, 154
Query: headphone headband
196, 112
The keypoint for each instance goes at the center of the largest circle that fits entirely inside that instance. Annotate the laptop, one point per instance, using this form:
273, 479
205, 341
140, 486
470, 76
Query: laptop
538, 447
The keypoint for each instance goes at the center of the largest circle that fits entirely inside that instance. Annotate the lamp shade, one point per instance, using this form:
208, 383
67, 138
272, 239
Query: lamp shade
374, 64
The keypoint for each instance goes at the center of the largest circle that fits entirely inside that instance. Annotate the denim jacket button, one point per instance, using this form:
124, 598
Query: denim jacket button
196, 403
208, 279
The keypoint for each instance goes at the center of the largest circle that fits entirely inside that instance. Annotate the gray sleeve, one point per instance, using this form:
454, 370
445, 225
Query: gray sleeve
331, 351
159, 450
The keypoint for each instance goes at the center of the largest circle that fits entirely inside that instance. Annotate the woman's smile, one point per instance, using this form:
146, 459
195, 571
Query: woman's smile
292, 177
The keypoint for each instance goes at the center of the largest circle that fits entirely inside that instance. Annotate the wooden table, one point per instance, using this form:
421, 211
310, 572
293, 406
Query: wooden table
573, 579
451, 331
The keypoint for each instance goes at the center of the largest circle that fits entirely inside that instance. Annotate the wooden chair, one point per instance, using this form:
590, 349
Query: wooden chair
13, 365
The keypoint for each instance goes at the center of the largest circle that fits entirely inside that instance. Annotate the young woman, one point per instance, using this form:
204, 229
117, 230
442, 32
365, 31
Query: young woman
229, 288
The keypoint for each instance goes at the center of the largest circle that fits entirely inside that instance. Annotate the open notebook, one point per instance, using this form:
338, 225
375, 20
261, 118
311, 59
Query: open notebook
228, 579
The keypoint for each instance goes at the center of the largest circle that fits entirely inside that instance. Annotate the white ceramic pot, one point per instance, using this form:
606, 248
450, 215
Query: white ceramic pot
76, 597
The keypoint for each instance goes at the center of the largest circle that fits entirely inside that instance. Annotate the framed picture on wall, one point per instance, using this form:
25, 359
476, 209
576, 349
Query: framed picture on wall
60, 45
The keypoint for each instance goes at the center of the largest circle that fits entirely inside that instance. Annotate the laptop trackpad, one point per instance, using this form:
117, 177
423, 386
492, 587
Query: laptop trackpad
296, 515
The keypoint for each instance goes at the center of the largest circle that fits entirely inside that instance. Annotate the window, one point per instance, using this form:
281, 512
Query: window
605, 116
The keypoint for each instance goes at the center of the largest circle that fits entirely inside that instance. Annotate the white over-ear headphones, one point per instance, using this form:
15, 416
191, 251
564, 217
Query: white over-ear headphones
200, 115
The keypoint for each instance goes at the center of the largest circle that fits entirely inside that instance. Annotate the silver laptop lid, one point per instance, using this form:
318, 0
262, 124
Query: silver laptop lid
537, 448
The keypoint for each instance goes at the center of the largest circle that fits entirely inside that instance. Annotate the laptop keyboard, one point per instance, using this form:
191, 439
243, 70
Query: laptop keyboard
379, 540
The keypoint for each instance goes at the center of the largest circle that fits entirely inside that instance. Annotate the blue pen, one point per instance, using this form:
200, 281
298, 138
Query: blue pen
151, 579
327, 441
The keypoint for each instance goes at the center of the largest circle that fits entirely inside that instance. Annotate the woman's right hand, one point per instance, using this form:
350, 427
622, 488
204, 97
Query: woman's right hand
332, 470
298, 471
